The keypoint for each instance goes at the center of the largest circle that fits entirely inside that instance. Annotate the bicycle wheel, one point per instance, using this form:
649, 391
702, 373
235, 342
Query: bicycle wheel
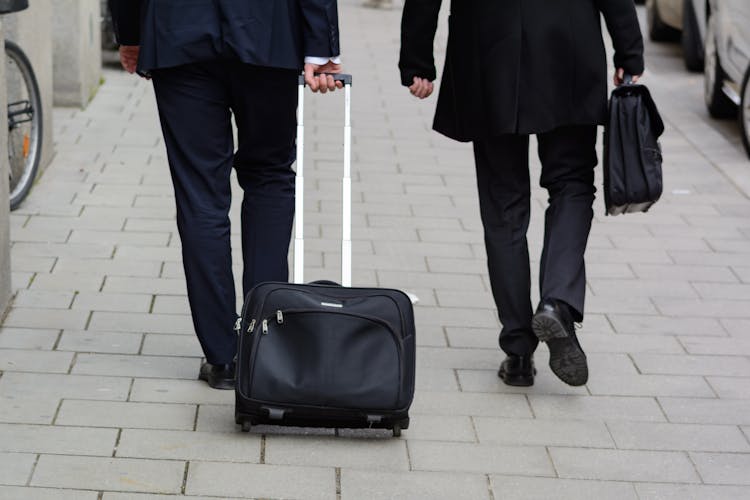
24, 123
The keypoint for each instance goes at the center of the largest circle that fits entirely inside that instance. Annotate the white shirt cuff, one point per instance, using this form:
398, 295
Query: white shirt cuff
320, 61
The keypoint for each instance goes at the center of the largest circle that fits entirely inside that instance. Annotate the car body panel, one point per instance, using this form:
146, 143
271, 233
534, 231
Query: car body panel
671, 13
732, 19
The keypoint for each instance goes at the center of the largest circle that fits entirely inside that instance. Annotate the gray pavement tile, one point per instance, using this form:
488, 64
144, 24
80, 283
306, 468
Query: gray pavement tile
27, 411
649, 385
625, 288
161, 344
100, 342
691, 492
381, 454
136, 366
357, 484
57, 440
717, 346
171, 304
624, 343
723, 290
52, 387
723, 468
487, 381
539, 488
19, 360
109, 267
158, 254
621, 305
15, 468
692, 365
436, 379
480, 458
695, 274
479, 338
706, 411
676, 437
663, 325
153, 390
112, 474
596, 408
435, 316
449, 264
11, 492
66, 282
624, 465
189, 445
731, 387
115, 302
443, 357
66, 250
27, 338
141, 323
476, 404
541, 432
146, 239
44, 299
146, 286
739, 328
33, 264
126, 414
46, 318
262, 481
150, 225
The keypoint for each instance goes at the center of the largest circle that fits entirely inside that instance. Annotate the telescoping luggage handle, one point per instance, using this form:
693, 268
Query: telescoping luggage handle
346, 232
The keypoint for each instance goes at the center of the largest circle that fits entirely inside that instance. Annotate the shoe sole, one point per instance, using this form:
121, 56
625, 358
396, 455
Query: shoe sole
222, 384
566, 359
515, 381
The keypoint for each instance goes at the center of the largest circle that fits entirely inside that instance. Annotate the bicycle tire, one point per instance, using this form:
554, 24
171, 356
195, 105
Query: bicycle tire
32, 143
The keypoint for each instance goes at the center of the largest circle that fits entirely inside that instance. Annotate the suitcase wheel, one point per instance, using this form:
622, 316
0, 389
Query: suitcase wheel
396, 430
246, 425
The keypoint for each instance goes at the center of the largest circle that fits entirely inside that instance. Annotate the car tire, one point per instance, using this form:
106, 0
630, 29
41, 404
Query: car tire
658, 31
745, 112
692, 45
718, 104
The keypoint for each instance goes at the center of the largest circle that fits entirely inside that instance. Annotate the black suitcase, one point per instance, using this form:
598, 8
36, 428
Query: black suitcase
632, 153
321, 354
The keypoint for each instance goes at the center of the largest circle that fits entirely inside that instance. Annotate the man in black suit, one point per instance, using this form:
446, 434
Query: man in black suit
209, 60
515, 68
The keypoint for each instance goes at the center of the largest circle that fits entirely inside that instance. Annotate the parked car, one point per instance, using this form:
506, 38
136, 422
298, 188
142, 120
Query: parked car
108, 32
670, 20
727, 56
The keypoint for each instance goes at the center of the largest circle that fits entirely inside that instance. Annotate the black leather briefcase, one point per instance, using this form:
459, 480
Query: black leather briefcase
632, 153
321, 354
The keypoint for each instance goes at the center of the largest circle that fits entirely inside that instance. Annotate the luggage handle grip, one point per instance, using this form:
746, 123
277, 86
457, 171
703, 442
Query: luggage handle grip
346, 79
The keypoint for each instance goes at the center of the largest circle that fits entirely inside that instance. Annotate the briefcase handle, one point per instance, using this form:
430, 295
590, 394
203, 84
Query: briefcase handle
299, 225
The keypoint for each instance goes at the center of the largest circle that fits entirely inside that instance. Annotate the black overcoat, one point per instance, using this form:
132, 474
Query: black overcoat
273, 33
519, 66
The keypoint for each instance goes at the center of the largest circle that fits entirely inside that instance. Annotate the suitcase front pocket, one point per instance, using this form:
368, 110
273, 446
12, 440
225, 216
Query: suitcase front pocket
327, 359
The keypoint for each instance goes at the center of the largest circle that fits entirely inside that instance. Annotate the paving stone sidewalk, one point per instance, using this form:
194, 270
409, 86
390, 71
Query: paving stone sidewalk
98, 397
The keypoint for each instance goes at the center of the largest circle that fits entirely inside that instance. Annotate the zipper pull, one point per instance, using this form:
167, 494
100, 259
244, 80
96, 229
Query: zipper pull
279, 317
251, 327
265, 327
238, 325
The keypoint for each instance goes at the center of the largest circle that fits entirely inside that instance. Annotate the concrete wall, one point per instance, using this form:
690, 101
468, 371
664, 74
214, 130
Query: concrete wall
76, 29
5, 285
32, 30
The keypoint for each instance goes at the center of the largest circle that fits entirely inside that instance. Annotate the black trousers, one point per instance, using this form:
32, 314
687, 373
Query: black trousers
568, 157
196, 103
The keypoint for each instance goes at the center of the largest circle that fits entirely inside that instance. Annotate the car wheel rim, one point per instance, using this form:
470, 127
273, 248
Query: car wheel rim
711, 62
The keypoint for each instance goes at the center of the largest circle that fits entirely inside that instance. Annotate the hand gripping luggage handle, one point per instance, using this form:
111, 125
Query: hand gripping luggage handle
299, 226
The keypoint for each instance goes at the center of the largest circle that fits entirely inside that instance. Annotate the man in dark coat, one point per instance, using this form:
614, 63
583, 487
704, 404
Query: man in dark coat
515, 68
209, 60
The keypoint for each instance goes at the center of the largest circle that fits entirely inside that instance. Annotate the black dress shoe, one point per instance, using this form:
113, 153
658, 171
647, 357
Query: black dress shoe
518, 371
553, 324
218, 376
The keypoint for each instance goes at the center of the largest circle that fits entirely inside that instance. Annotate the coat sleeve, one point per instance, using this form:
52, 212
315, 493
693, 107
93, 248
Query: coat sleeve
622, 23
126, 21
320, 20
418, 27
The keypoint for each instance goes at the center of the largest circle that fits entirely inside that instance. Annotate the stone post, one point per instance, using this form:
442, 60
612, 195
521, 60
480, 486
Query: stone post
76, 37
5, 284
31, 29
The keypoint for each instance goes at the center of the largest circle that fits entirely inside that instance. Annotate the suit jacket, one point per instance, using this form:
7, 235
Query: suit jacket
274, 33
519, 66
